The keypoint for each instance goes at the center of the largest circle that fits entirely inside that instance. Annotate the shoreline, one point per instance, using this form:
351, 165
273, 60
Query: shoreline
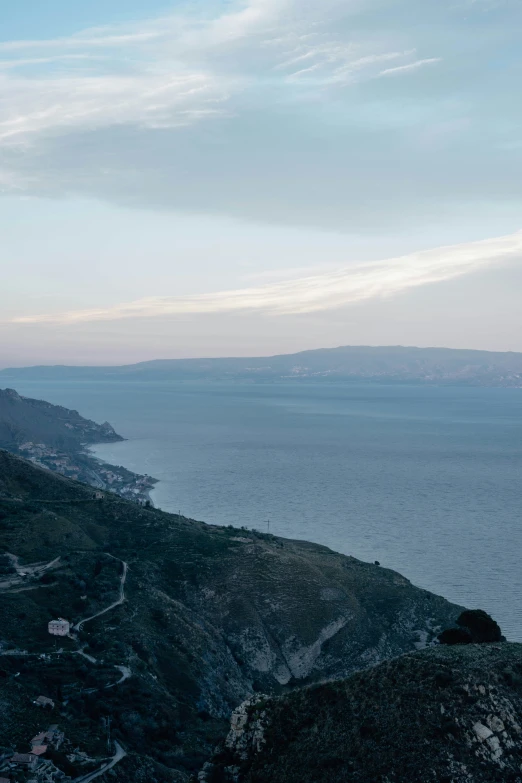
142, 482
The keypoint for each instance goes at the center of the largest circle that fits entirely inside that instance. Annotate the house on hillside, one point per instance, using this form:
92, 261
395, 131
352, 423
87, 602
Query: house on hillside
44, 738
43, 701
25, 760
59, 627
38, 750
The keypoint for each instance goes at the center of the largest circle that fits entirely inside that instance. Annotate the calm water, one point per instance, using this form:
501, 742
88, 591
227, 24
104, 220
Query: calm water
426, 480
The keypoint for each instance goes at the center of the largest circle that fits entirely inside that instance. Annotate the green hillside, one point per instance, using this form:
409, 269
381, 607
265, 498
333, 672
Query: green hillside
210, 617
23, 419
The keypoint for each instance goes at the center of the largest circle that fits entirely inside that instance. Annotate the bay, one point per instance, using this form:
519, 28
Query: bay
426, 480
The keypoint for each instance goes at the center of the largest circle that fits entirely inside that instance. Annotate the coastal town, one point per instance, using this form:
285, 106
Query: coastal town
58, 439
81, 466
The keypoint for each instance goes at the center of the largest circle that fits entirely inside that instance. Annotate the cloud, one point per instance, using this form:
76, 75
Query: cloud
154, 100
280, 111
313, 293
410, 66
182, 68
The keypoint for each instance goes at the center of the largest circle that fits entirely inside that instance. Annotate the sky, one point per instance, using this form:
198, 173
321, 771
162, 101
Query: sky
249, 177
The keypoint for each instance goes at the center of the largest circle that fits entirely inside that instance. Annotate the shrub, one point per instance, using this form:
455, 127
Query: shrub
474, 627
455, 636
480, 625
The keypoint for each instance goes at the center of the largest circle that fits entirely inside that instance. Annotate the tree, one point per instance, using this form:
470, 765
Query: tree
474, 627
455, 636
480, 625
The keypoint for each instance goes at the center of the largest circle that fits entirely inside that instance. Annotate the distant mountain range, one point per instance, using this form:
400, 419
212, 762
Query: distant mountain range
388, 364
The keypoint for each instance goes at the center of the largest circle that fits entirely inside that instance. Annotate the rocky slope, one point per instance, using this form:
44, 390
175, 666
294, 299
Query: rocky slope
444, 715
210, 617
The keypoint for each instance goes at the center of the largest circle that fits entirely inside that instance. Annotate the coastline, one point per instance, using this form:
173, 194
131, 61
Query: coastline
126, 483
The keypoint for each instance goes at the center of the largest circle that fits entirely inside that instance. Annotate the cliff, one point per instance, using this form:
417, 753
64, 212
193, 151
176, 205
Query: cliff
447, 714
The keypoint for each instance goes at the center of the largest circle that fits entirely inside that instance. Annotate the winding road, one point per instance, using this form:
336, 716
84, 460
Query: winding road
118, 756
39, 568
79, 625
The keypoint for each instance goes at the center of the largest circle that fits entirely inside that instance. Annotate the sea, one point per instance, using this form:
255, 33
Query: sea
426, 480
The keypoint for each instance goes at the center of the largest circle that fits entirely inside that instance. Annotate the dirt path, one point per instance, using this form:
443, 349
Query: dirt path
85, 655
23, 589
121, 599
31, 570
125, 674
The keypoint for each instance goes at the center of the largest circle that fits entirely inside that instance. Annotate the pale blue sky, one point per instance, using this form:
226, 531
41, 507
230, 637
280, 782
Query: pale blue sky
256, 176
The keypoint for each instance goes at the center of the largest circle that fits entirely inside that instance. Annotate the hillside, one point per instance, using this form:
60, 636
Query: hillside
209, 617
444, 715
391, 364
23, 419
56, 438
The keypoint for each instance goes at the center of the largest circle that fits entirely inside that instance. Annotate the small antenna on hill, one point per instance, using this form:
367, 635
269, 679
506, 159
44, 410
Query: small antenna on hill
268, 526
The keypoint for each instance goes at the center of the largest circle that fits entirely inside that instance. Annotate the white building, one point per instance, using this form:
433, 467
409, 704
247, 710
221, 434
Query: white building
59, 627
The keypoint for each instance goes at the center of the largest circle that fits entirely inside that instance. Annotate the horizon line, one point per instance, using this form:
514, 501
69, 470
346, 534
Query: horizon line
257, 356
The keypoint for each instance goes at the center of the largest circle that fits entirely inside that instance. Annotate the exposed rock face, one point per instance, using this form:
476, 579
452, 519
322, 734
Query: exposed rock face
211, 615
441, 715
267, 595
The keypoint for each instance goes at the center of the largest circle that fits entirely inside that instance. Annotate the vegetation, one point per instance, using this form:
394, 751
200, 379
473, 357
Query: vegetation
23, 419
211, 616
444, 715
474, 627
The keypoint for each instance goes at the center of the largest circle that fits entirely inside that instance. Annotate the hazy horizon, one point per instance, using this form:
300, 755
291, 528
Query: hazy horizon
256, 356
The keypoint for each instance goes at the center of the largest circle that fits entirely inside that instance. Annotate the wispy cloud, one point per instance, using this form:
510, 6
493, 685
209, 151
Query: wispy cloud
94, 38
181, 68
414, 66
330, 290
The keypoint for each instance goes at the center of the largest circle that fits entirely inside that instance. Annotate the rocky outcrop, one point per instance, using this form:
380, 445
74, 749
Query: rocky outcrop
438, 715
